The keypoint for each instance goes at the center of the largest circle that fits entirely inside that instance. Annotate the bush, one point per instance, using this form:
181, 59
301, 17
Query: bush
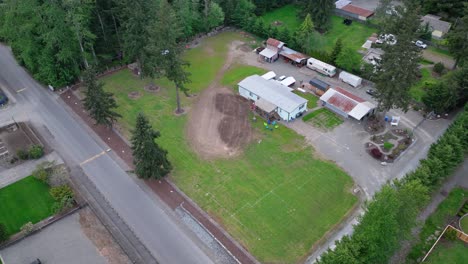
41, 174
27, 228
59, 192
376, 153
388, 146
439, 68
36, 152
3, 233
450, 234
22, 154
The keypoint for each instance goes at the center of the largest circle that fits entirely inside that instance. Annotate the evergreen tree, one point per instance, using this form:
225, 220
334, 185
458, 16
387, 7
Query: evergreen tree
458, 38
349, 60
99, 103
149, 158
307, 26
441, 97
336, 50
320, 11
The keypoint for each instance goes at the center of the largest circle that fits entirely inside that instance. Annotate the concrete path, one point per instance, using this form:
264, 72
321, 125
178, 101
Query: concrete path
22, 171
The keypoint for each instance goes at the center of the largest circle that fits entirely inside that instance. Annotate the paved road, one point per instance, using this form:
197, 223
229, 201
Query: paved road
162, 235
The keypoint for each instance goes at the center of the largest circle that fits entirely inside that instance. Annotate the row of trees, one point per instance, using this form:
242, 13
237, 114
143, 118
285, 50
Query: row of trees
392, 213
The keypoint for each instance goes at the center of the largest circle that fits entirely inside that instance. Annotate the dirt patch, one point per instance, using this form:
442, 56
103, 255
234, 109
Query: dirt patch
101, 238
234, 129
152, 88
277, 23
134, 95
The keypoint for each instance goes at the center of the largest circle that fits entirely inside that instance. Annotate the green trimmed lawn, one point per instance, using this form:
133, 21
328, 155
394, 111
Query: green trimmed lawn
277, 199
353, 36
441, 52
453, 252
27, 200
238, 72
309, 97
323, 118
464, 224
417, 91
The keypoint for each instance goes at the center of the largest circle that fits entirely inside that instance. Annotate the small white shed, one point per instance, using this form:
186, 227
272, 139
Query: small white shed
269, 75
350, 79
289, 81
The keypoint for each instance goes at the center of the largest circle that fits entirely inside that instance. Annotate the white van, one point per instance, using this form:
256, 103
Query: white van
321, 67
350, 79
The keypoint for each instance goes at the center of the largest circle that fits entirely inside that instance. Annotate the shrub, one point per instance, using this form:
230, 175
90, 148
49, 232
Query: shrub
439, 68
41, 174
450, 234
3, 233
27, 228
388, 146
22, 154
36, 152
376, 153
59, 192
64, 203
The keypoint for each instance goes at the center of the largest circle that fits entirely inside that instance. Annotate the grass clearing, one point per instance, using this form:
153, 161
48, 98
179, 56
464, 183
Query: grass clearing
453, 252
353, 36
276, 199
418, 90
439, 51
309, 97
27, 200
323, 119
238, 72
464, 224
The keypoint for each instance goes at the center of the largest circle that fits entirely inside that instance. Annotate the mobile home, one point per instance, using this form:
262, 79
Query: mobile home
350, 79
321, 67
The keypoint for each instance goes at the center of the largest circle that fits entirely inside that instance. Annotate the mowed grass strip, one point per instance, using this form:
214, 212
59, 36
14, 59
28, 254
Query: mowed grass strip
27, 200
418, 90
453, 252
276, 198
312, 99
237, 72
353, 36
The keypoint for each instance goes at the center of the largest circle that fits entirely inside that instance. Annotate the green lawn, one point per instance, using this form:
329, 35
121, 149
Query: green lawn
438, 220
276, 199
27, 200
439, 51
323, 118
417, 91
238, 72
353, 36
464, 224
309, 97
453, 252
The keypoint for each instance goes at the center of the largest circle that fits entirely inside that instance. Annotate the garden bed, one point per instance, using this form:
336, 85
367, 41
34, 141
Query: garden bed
390, 145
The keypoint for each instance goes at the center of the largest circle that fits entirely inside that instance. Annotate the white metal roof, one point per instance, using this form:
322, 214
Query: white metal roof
367, 44
288, 81
349, 76
273, 92
361, 110
269, 75
268, 53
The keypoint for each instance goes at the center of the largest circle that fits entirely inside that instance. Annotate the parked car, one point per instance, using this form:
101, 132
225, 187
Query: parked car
370, 92
420, 44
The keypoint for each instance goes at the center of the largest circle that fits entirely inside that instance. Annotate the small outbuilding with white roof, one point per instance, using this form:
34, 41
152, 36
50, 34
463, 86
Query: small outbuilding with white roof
271, 96
346, 104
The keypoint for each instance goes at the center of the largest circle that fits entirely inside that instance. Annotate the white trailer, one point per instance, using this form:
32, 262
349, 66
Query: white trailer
350, 79
269, 75
321, 67
288, 81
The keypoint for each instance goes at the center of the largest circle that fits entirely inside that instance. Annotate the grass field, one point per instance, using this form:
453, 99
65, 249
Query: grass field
464, 224
238, 72
323, 118
417, 91
277, 199
27, 200
453, 252
353, 36
309, 97
438, 220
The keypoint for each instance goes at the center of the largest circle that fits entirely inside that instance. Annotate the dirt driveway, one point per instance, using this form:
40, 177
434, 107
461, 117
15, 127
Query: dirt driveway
218, 124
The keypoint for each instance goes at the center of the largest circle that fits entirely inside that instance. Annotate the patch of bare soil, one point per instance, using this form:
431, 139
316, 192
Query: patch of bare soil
134, 95
101, 238
218, 124
152, 88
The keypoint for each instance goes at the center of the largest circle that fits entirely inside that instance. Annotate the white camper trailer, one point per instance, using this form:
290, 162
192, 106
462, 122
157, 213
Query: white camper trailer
350, 79
321, 67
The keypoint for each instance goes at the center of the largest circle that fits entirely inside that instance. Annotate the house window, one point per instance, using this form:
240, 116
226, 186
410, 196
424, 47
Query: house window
302, 107
251, 94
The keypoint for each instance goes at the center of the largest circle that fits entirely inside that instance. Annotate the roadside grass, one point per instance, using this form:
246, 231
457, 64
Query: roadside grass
438, 220
309, 97
238, 72
418, 90
453, 252
277, 199
323, 119
353, 36
27, 200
